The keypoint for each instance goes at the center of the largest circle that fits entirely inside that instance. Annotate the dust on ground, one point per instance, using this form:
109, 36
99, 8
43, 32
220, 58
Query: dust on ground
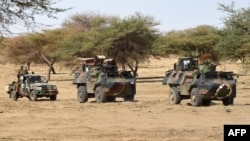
149, 118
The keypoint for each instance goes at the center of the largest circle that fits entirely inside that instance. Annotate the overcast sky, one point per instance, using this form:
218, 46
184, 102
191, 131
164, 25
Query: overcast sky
172, 14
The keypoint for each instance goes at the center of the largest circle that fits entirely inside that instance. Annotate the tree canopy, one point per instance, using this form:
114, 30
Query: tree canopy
24, 12
37, 48
235, 43
189, 42
128, 40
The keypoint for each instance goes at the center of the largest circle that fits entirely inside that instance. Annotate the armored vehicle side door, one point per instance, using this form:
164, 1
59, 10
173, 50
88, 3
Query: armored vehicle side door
185, 83
23, 86
93, 76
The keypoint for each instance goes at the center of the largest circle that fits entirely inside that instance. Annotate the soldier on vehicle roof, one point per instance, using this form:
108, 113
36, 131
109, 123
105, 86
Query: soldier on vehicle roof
22, 71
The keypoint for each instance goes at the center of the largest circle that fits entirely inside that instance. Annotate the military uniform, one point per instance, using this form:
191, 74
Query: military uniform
20, 72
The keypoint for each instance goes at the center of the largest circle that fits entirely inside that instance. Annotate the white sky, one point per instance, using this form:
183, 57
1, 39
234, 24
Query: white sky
172, 14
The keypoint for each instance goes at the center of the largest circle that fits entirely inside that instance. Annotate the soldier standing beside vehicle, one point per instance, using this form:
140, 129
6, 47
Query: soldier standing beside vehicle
20, 72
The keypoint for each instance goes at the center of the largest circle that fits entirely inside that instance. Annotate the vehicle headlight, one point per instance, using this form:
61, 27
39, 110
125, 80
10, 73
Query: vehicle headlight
54, 87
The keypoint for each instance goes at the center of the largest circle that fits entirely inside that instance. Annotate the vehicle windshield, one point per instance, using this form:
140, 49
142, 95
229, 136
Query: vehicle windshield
113, 74
212, 76
37, 79
225, 76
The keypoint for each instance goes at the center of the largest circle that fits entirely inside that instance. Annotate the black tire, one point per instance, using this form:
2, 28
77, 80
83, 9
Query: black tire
228, 101
206, 102
129, 97
110, 98
53, 97
14, 95
99, 95
231, 101
196, 98
174, 96
82, 95
33, 96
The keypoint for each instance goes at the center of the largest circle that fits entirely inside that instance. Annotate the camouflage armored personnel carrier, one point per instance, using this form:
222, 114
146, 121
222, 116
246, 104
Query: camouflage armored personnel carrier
32, 86
99, 78
198, 80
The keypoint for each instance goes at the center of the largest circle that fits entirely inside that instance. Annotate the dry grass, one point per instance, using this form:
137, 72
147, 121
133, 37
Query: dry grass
149, 118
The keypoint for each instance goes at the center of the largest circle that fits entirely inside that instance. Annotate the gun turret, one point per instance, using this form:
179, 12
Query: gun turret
186, 64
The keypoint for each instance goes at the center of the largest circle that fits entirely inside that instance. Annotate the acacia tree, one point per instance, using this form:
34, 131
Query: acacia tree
83, 35
18, 49
24, 12
190, 42
133, 40
235, 43
39, 48
46, 45
203, 39
129, 40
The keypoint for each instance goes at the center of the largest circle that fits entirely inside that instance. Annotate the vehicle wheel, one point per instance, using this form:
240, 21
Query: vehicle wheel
206, 102
110, 98
196, 99
99, 95
53, 97
14, 95
231, 102
82, 94
129, 97
228, 101
33, 96
174, 96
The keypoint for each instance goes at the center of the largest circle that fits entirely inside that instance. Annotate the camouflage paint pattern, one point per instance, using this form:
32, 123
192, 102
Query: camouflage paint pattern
112, 83
211, 84
40, 87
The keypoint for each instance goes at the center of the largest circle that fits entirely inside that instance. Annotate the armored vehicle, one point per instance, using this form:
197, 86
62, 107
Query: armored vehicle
198, 80
99, 78
32, 86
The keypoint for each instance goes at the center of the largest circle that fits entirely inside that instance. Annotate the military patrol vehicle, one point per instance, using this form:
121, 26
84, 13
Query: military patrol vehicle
99, 78
198, 80
32, 86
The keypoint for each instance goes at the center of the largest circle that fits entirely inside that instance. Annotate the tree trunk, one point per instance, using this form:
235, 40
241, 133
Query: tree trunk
242, 57
50, 65
48, 75
53, 69
134, 70
123, 66
28, 65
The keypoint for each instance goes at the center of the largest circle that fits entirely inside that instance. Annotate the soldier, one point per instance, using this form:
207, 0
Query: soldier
20, 72
26, 70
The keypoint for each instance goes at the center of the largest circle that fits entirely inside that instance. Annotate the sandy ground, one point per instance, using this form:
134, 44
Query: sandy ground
149, 118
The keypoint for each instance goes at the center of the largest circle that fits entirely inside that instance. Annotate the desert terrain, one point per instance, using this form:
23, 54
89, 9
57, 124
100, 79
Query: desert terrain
149, 118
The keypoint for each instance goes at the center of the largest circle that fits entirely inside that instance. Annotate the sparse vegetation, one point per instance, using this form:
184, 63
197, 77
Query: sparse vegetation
131, 40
